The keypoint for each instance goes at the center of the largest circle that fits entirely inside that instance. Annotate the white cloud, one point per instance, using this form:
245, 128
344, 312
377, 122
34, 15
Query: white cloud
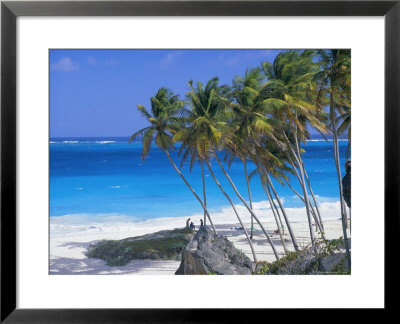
166, 62
92, 61
65, 65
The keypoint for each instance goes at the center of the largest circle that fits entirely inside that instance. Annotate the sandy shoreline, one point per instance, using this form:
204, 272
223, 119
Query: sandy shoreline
67, 252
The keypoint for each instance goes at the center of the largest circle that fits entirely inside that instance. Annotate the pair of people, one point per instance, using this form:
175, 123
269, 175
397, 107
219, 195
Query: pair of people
191, 225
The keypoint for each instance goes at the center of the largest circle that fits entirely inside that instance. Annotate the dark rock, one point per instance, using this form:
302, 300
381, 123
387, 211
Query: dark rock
208, 253
327, 257
165, 245
346, 183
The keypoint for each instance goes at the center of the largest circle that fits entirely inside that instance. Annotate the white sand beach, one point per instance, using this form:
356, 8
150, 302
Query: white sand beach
70, 238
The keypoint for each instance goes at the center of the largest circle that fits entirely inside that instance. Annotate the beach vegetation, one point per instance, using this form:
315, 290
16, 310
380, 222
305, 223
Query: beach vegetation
165, 245
324, 257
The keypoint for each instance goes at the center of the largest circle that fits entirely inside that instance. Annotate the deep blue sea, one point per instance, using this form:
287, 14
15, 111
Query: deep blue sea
107, 176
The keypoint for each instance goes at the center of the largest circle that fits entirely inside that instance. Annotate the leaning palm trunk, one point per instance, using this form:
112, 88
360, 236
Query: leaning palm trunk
317, 222
305, 192
273, 211
317, 225
289, 226
247, 206
337, 163
315, 200
300, 177
204, 190
276, 209
191, 189
251, 202
234, 209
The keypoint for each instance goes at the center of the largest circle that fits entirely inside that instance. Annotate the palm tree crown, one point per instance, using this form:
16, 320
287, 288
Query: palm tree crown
164, 121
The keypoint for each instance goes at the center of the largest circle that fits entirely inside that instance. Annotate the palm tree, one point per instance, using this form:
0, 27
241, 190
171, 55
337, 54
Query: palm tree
249, 120
335, 79
289, 88
198, 135
253, 124
164, 121
202, 131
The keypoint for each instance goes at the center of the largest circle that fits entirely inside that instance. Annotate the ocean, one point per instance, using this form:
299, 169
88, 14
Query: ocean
105, 177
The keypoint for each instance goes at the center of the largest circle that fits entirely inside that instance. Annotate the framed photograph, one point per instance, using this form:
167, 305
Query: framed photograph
146, 145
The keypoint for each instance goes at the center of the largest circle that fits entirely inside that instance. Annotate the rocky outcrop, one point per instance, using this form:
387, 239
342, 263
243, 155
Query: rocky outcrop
164, 245
346, 182
327, 257
208, 253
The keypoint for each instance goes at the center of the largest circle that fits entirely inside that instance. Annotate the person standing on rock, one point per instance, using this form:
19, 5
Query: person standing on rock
187, 223
201, 222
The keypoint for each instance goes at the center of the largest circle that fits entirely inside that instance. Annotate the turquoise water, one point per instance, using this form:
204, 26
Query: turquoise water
107, 176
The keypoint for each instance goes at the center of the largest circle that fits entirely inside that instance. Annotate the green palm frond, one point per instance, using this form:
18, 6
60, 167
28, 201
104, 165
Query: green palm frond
139, 134
146, 142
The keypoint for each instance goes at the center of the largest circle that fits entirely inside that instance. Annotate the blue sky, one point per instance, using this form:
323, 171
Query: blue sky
94, 93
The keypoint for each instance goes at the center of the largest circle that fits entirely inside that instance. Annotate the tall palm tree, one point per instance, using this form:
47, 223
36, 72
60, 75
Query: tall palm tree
249, 120
164, 121
202, 131
252, 123
336, 81
290, 81
202, 128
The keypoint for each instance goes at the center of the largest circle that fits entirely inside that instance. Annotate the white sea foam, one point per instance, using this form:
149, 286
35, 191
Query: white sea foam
71, 142
104, 142
90, 227
51, 142
116, 187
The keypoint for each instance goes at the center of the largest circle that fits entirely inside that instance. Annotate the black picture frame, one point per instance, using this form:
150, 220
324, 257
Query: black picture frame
11, 10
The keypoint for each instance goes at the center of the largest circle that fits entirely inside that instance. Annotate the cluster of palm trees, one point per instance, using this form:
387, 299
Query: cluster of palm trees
263, 118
